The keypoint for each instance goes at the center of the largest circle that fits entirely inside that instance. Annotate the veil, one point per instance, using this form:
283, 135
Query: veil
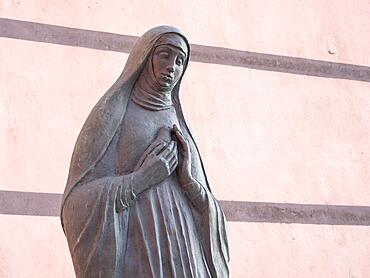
106, 116
105, 120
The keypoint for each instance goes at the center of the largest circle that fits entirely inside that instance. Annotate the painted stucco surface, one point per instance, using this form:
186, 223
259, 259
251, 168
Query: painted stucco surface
275, 122
35, 247
304, 29
264, 136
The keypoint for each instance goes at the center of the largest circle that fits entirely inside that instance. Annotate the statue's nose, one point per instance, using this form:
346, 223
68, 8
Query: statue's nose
171, 66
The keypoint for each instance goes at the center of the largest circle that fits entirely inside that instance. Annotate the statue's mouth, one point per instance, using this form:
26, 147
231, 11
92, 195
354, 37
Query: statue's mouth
167, 77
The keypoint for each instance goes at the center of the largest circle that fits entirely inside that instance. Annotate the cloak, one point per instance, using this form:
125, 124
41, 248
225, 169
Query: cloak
96, 234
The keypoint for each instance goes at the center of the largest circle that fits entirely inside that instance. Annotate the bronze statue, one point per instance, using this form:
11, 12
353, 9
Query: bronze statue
137, 201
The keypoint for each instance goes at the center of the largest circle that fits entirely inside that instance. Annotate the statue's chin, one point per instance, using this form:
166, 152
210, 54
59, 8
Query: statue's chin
166, 86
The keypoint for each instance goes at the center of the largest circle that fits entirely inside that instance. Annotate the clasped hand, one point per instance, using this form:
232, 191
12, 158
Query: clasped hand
162, 158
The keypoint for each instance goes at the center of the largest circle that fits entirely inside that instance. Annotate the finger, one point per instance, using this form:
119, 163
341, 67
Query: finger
172, 161
180, 133
181, 139
180, 136
184, 149
158, 148
170, 157
168, 149
173, 152
150, 152
174, 165
162, 133
152, 147
176, 128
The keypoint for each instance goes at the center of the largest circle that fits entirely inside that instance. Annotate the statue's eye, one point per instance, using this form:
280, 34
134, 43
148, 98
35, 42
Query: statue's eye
180, 61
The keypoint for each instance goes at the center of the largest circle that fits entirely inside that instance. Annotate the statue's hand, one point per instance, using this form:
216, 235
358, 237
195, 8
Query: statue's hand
162, 137
184, 169
157, 165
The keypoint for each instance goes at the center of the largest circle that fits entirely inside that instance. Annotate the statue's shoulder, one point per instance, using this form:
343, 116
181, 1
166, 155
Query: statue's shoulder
96, 135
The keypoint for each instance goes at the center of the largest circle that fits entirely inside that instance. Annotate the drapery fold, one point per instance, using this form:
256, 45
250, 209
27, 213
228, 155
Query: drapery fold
97, 234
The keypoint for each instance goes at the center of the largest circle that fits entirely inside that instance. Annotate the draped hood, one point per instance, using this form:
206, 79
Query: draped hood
105, 118
101, 126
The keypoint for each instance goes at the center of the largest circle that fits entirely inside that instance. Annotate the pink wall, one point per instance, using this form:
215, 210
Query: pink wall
265, 136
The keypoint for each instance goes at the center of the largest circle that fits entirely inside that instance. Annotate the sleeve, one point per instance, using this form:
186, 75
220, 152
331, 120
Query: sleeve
96, 234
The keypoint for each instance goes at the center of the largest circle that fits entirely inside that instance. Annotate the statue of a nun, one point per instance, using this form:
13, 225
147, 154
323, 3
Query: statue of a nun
137, 201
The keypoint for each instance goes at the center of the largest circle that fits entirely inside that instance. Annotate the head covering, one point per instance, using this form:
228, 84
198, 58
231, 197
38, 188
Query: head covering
102, 125
105, 118
176, 41
148, 92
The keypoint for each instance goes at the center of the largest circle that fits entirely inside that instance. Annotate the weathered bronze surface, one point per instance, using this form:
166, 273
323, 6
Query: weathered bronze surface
137, 201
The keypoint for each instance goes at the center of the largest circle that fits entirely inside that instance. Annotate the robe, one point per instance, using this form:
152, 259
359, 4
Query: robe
163, 240
163, 234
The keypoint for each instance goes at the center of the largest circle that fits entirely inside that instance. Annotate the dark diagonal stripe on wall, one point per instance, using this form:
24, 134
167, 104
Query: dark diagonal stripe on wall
29, 203
48, 204
39, 32
296, 213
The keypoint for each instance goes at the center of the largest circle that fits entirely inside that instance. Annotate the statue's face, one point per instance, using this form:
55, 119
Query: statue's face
168, 64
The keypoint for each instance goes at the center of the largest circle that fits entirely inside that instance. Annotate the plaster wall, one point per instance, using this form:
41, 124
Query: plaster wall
258, 250
297, 28
264, 136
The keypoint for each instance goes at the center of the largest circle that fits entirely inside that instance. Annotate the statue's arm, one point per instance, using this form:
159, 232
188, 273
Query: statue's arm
197, 194
192, 188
